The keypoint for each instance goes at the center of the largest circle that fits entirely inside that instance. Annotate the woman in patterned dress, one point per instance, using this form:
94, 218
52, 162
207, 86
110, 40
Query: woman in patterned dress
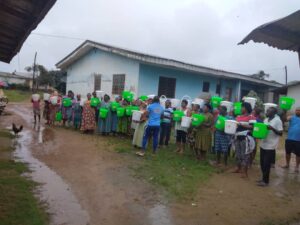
88, 123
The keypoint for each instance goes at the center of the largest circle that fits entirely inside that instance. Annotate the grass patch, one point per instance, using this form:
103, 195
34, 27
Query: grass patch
18, 204
179, 176
17, 95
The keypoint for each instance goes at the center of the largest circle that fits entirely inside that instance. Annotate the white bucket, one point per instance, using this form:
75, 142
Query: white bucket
228, 105
186, 121
230, 126
35, 97
151, 96
100, 94
163, 100
136, 115
82, 101
250, 100
189, 100
46, 96
268, 105
175, 103
53, 100
199, 101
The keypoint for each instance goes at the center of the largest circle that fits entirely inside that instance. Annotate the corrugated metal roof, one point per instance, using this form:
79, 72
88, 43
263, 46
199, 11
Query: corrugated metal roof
283, 34
13, 75
86, 46
17, 19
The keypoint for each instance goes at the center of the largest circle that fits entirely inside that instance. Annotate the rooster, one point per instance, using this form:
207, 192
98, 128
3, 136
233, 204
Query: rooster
16, 130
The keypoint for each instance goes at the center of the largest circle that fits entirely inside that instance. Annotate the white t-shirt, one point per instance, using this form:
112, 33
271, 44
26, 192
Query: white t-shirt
271, 142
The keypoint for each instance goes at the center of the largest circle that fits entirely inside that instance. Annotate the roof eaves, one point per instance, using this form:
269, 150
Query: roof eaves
156, 60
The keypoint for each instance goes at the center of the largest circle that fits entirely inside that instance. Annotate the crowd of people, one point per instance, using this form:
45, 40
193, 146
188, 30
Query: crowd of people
156, 125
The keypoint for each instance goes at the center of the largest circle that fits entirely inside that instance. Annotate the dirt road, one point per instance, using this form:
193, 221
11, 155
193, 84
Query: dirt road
86, 183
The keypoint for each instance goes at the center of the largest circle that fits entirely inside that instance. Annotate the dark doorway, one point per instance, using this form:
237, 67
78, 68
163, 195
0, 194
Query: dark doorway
167, 87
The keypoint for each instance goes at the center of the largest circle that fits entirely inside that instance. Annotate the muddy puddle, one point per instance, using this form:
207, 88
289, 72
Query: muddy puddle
62, 205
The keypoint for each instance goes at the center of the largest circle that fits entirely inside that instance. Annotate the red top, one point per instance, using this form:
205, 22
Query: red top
244, 118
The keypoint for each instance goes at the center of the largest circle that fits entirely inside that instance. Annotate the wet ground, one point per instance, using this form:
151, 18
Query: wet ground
85, 183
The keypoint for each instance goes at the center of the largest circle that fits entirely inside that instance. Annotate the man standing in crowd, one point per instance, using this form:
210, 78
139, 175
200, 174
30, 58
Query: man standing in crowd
292, 143
269, 145
154, 111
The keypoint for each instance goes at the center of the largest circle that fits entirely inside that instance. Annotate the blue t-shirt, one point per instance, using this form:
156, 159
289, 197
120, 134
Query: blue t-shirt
155, 111
294, 129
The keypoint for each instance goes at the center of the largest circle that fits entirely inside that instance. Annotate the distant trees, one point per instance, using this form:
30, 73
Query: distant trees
261, 75
54, 78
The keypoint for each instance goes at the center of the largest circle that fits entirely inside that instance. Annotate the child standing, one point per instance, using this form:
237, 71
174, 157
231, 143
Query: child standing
36, 109
166, 125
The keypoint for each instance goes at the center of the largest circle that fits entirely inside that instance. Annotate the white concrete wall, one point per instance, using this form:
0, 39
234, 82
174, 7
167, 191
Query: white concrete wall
80, 75
294, 92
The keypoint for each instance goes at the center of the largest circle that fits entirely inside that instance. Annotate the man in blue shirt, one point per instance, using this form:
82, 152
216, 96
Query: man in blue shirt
154, 112
292, 143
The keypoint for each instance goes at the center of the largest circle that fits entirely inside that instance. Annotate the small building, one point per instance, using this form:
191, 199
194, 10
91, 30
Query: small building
95, 66
292, 89
16, 78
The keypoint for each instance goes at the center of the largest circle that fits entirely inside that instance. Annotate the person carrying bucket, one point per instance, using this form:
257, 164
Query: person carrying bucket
292, 143
104, 122
242, 141
181, 132
166, 125
36, 107
154, 112
269, 145
222, 140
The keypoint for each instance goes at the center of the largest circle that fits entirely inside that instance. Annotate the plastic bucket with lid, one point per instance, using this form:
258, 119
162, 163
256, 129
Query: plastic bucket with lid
268, 105
46, 96
228, 105
82, 101
230, 126
95, 102
163, 100
54, 100
120, 112
67, 102
136, 115
286, 102
186, 121
127, 95
250, 100
260, 130
99, 94
197, 119
237, 108
58, 116
103, 113
144, 97
129, 110
35, 97
216, 101
220, 124
177, 115
199, 101
114, 106
175, 103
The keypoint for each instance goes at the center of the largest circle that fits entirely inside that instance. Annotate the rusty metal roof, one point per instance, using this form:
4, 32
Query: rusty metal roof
283, 34
17, 19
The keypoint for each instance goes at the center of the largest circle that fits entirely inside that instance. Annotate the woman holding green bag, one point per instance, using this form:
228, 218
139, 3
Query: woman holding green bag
104, 121
114, 115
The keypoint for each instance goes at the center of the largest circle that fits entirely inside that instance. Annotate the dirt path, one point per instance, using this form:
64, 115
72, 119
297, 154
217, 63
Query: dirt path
105, 192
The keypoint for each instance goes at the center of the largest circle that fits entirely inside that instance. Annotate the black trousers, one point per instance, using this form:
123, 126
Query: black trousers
165, 133
266, 160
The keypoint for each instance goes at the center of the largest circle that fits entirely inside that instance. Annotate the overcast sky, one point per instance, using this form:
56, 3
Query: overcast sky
204, 32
